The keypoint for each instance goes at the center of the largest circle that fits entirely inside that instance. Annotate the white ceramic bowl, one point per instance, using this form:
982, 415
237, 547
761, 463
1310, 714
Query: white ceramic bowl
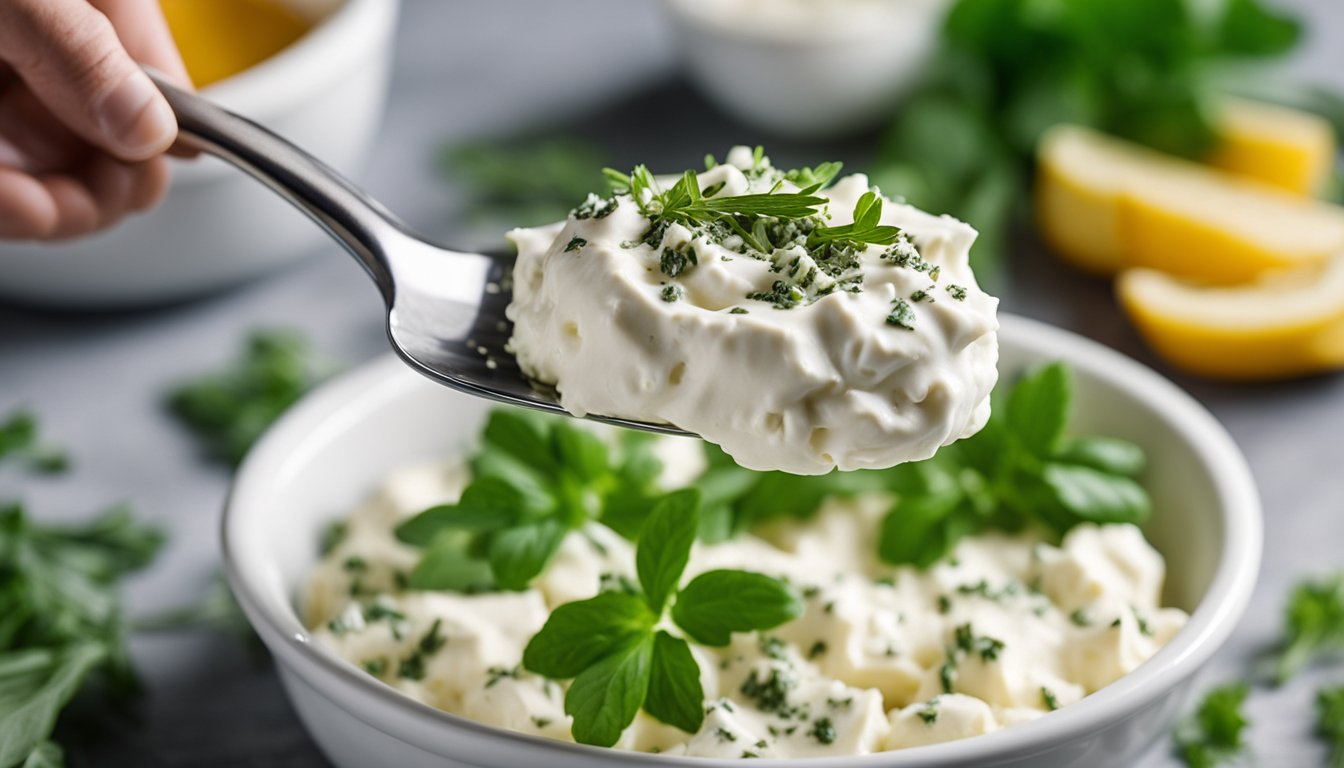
332, 449
805, 68
217, 227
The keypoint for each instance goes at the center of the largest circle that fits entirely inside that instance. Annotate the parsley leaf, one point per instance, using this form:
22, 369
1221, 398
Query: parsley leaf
1313, 624
1330, 722
1212, 735
230, 409
19, 442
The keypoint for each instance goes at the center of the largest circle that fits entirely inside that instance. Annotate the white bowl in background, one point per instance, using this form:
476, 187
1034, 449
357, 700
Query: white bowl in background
217, 227
806, 68
333, 449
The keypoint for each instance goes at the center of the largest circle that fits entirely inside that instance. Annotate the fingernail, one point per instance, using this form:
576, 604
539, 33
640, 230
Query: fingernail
136, 119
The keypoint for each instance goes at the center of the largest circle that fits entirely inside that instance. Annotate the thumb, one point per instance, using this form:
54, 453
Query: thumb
69, 55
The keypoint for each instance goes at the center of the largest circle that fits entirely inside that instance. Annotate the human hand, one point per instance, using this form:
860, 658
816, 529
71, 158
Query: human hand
82, 128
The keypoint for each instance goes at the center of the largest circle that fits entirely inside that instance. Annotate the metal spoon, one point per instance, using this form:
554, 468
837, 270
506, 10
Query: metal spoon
445, 309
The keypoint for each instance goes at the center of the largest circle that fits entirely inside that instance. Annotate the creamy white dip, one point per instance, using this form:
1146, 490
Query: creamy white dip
880, 364
1001, 632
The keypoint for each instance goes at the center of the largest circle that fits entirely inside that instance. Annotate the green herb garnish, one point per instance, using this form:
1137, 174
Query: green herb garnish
19, 442
1020, 469
61, 620
1330, 722
230, 409
1313, 624
621, 662
534, 479
1212, 735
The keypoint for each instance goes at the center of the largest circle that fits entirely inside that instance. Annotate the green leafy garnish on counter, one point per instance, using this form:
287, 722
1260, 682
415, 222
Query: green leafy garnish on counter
525, 182
61, 620
1021, 469
1148, 70
621, 662
1313, 625
1212, 734
19, 443
230, 409
534, 479
1330, 722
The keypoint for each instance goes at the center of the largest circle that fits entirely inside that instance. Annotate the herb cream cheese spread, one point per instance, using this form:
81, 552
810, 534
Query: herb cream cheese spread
799, 324
1005, 629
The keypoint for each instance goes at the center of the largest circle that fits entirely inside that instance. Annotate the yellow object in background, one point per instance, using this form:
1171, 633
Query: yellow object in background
1287, 148
220, 38
1286, 324
1105, 205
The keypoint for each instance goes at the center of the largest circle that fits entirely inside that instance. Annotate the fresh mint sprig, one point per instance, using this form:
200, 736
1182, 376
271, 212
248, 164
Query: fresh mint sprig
1021, 469
534, 479
618, 658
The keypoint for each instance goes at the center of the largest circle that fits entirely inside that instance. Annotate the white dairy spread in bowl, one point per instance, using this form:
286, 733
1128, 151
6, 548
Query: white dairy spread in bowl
792, 336
1002, 629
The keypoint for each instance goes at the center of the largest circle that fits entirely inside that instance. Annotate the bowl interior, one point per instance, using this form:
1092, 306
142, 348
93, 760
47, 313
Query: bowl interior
333, 449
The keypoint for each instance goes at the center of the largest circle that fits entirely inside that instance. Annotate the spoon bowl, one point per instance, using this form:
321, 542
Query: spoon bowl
445, 308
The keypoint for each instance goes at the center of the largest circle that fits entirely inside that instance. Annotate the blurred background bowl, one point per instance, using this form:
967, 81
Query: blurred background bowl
806, 68
217, 227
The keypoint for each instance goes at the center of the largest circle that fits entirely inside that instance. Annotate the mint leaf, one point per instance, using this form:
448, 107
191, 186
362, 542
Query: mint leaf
675, 695
1091, 495
487, 504
519, 554
1106, 454
450, 566
1038, 408
913, 532
522, 435
580, 452
36, 684
605, 697
665, 545
577, 635
717, 603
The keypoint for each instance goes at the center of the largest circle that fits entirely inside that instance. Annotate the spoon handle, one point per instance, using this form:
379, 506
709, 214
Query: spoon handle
358, 222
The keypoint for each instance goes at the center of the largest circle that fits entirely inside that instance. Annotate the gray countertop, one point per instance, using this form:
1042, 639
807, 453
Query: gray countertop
609, 74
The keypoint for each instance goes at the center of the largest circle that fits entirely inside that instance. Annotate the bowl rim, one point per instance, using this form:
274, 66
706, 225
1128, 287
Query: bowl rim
352, 396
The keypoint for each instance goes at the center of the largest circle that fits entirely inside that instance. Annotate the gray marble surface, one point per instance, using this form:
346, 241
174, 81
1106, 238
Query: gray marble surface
606, 70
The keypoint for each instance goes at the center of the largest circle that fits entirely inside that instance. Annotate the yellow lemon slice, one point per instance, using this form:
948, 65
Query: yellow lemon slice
1285, 324
1106, 204
1287, 148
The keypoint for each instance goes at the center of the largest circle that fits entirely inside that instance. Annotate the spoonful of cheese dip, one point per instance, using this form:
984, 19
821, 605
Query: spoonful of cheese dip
801, 322
801, 326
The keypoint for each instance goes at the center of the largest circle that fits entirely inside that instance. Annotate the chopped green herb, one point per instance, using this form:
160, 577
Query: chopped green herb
929, 712
818, 649
1048, 698
956, 291
823, 730
678, 260
1212, 735
737, 311
673, 292
1080, 618
901, 314
575, 243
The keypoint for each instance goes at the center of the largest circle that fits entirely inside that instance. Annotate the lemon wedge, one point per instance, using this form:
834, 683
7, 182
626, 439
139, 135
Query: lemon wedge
1287, 148
1285, 324
1106, 204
